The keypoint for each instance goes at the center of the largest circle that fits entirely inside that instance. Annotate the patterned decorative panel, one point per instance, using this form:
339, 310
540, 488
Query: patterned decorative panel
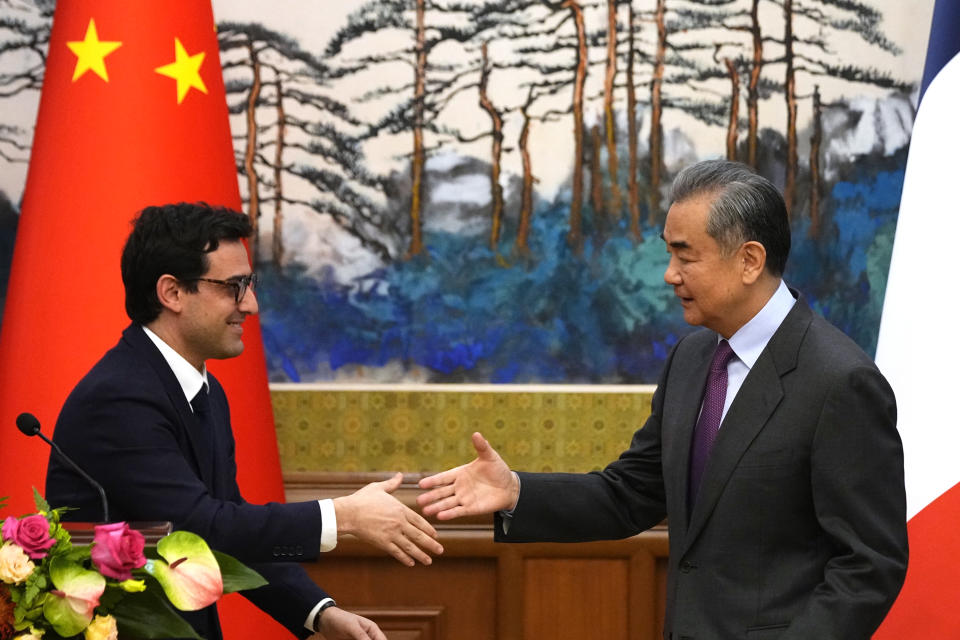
429, 430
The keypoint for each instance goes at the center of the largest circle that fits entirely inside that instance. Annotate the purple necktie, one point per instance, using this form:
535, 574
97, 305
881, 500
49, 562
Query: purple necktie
708, 424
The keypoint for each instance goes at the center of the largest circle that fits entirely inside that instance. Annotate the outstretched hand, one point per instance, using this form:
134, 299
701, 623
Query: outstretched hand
483, 486
378, 518
338, 624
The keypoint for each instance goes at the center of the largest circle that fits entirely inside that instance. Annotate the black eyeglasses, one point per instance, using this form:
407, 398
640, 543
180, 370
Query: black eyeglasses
239, 285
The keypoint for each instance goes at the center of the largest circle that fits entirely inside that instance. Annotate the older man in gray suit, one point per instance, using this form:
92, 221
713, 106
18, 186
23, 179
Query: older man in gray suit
772, 446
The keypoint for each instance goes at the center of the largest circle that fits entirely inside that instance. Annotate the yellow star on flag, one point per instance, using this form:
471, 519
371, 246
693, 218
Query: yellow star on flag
185, 70
91, 52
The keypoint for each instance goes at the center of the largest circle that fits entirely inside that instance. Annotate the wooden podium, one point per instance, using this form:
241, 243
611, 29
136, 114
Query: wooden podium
480, 590
82, 532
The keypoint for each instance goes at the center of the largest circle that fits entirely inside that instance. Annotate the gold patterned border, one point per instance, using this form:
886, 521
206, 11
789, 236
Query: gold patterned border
426, 430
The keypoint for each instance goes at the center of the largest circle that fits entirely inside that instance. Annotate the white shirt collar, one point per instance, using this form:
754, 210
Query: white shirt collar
191, 380
750, 340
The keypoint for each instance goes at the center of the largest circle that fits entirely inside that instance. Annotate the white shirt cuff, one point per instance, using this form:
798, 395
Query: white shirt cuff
328, 534
313, 612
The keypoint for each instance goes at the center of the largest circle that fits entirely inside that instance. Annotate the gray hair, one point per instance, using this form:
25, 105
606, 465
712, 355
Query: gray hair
746, 207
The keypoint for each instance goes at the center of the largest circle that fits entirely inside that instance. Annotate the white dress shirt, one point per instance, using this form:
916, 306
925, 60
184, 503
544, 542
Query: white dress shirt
751, 339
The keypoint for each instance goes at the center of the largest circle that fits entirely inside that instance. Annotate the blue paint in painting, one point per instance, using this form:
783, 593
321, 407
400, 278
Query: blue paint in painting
464, 313
467, 313
843, 269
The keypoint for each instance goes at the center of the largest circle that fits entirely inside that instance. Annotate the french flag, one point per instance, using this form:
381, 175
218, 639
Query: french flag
919, 347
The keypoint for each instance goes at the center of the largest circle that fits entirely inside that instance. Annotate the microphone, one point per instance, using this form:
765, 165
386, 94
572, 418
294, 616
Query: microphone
30, 426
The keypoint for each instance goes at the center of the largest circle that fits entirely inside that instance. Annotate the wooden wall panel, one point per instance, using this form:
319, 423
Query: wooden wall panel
481, 590
454, 598
406, 623
647, 588
576, 598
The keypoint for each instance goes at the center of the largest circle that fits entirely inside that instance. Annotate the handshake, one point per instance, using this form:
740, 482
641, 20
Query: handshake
375, 516
371, 514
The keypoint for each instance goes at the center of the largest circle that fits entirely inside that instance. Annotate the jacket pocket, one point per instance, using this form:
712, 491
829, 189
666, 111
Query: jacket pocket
766, 632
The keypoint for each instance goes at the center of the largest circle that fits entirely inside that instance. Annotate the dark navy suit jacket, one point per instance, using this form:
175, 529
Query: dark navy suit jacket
128, 424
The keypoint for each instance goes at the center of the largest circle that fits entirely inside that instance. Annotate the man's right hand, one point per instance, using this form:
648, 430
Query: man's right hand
483, 486
378, 518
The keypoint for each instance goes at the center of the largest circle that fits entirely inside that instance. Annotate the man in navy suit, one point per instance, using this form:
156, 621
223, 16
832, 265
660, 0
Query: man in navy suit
789, 521
152, 426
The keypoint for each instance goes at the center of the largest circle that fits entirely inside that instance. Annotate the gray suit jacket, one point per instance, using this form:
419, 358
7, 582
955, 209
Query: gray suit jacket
799, 531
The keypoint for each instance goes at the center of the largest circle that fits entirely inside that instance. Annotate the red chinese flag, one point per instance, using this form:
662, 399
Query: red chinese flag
133, 113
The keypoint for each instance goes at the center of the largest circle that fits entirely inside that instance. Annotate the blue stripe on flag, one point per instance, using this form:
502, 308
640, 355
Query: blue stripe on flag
944, 41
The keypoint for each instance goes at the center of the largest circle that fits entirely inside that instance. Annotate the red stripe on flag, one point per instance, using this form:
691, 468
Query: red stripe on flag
103, 150
931, 594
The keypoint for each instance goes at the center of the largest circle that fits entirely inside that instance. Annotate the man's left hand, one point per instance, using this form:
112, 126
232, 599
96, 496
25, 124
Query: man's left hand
337, 624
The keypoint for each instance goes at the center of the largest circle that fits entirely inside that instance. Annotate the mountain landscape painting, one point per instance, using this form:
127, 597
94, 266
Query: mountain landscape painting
475, 191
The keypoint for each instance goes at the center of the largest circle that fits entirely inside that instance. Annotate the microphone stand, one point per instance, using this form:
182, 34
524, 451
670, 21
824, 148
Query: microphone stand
83, 474
83, 532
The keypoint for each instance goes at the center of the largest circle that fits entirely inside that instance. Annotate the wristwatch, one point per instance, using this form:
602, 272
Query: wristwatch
316, 619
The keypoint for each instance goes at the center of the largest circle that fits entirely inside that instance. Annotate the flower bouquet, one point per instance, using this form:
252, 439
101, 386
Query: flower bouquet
114, 587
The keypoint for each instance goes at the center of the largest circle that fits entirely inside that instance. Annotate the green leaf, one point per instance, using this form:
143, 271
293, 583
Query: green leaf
31, 593
110, 599
74, 554
36, 583
62, 536
146, 615
236, 575
3, 501
40, 502
34, 615
57, 514
26, 615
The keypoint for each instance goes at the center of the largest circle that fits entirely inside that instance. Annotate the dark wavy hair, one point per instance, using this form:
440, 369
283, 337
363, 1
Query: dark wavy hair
173, 239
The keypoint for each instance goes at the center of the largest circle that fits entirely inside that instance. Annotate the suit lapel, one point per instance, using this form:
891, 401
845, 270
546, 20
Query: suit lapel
188, 422
749, 413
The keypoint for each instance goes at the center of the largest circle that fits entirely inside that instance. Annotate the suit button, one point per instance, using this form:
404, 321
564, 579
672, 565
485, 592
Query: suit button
687, 567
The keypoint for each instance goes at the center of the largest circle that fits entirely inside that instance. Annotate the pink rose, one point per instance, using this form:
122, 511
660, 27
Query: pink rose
32, 534
117, 549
